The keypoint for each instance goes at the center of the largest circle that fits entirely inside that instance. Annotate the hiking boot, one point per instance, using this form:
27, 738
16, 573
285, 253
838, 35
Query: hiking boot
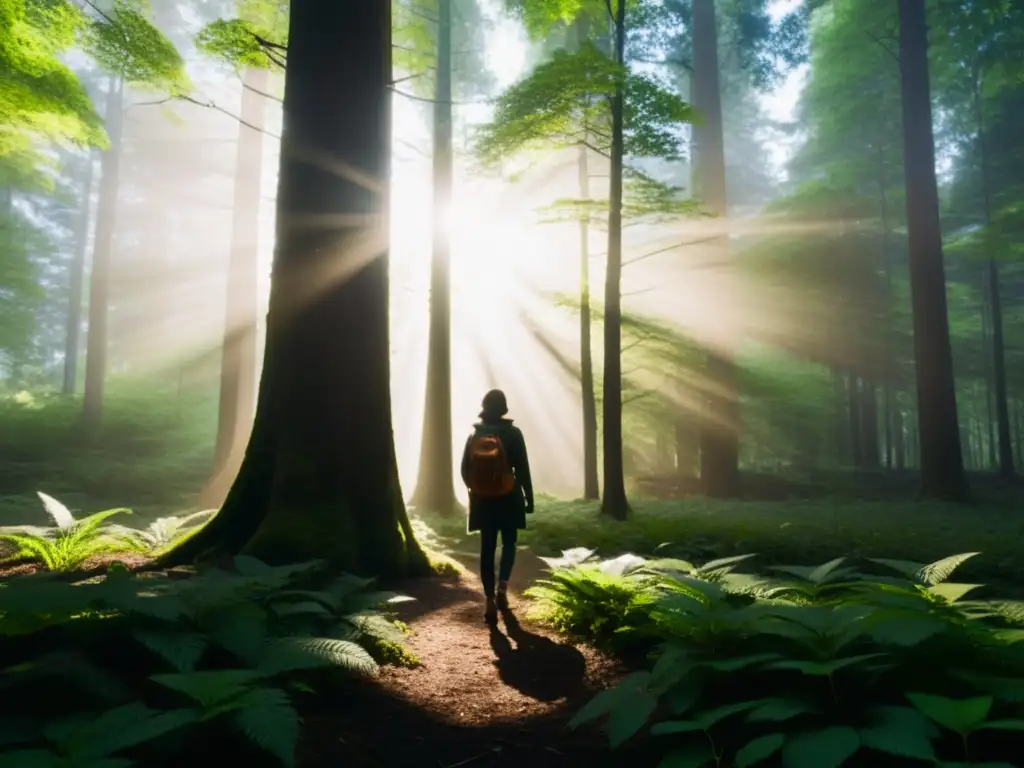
502, 598
491, 611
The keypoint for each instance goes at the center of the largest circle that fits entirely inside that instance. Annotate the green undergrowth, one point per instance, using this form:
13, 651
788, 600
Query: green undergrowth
154, 446
860, 663
165, 668
782, 532
69, 543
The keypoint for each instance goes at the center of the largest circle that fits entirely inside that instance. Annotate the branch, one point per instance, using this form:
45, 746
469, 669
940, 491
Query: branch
881, 44
408, 77
264, 94
426, 100
268, 43
207, 105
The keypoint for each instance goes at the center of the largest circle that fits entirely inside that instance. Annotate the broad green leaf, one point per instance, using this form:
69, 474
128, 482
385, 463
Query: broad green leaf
823, 668
759, 749
940, 570
633, 687
628, 718
1003, 725
900, 731
780, 710
907, 631
695, 755
683, 696
959, 715
182, 650
33, 758
952, 591
740, 662
827, 748
822, 572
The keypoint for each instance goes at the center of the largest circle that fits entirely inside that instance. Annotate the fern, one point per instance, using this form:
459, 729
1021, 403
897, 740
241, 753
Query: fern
293, 653
268, 719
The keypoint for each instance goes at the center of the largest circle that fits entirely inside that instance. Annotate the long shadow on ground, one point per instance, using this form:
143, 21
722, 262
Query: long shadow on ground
483, 696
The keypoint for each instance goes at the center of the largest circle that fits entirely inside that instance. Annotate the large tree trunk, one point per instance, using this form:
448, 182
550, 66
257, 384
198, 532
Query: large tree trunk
241, 304
719, 444
987, 374
99, 277
319, 478
869, 424
76, 284
942, 471
613, 500
856, 421
435, 489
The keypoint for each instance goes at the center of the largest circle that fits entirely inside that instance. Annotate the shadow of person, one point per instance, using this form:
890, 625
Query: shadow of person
536, 666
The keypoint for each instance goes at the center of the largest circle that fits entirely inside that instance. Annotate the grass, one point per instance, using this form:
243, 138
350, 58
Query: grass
153, 452
781, 532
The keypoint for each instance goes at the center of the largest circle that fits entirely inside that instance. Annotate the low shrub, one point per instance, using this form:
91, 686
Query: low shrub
818, 668
151, 666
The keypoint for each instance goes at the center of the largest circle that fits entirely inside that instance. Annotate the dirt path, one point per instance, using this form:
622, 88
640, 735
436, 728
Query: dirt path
482, 697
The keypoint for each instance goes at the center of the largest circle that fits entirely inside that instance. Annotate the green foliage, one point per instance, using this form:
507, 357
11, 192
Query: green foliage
70, 543
145, 656
819, 667
124, 42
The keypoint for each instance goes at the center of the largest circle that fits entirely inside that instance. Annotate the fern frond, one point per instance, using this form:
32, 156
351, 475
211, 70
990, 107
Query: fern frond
182, 650
268, 719
293, 653
940, 570
60, 514
212, 687
123, 728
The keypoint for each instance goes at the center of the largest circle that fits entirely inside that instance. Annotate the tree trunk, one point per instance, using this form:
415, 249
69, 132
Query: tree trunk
435, 489
942, 471
319, 478
987, 373
241, 304
613, 501
869, 424
73, 328
99, 277
686, 448
719, 444
856, 422
888, 353
591, 481
899, 439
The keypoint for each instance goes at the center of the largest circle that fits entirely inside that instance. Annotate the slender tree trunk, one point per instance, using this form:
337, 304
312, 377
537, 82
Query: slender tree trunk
887, 344
869, 424
613, 501
319, 478
719, 444
987, 373
856, 422
99, 278
899, 439
591, 481
241, 304
942, 471
73, 328
435, 489
995, 305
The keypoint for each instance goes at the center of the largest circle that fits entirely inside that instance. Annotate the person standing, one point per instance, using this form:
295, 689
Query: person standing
496, 470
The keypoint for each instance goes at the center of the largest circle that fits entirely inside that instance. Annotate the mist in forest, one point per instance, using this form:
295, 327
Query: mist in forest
172, 229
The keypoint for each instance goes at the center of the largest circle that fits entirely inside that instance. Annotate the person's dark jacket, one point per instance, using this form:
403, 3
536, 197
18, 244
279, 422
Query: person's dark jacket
513, 507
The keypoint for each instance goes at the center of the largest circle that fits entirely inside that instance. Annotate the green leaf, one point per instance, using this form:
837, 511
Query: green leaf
781, 710
126, 727
182, 650
959, 715
703, 721
691, 756
1003, 725
293, 653
940, 570
759, 749
682, 697
211, 687
827, 748
906, 632
32, 758
630, 688
822, 572
625, 721
823, 668
267, 717
900, 731
952, 591
740, 662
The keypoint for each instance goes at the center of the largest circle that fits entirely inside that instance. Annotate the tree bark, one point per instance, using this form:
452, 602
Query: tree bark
241, 303
76, 284
899, 439
856, 421
99, 277
319, 477
988, 376
591, 481
435, 489
719, 443
941, 459
869, 424
613, 500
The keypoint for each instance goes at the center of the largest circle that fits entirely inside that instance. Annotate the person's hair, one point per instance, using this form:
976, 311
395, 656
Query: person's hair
494, 405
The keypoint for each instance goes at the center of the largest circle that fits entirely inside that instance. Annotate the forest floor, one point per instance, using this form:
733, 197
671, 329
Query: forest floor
483, 696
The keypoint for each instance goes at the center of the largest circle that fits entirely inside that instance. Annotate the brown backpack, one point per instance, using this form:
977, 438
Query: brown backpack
490, 474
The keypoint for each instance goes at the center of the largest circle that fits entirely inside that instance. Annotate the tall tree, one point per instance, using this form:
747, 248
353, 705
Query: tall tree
435, 489
238, 352
319, 478
719, 441
942, 471
73, 339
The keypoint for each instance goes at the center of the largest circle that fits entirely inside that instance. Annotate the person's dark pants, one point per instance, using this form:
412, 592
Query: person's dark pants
489, 532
